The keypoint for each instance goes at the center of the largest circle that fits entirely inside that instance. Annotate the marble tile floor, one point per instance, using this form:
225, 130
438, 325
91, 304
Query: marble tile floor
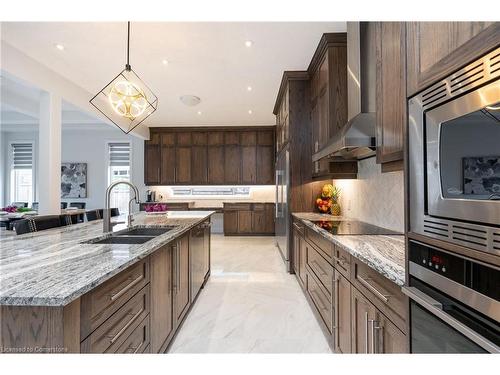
249, 305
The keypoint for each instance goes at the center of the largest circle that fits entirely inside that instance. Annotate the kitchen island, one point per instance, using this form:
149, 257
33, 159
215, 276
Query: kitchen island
60, 291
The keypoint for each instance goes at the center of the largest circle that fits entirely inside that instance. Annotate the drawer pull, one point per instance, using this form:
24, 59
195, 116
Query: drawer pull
128, 287
136, 349
341, 261
321, 270
379, 294
125, 327
320, 301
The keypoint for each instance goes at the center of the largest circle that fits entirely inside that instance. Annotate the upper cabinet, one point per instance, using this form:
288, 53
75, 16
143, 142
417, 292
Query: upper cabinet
437, 49
328, 96
390, 90
215, 156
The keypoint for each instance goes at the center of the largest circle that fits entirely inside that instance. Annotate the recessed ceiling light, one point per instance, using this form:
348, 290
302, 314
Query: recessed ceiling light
199, 112
250, 112
249, 88
164, 62
248, 43
60, 47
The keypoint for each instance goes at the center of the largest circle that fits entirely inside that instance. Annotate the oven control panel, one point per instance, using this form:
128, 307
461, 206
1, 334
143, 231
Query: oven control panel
439, 262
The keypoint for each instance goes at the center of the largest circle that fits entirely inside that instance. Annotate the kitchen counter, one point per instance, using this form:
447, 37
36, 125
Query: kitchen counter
383, 253
56, 266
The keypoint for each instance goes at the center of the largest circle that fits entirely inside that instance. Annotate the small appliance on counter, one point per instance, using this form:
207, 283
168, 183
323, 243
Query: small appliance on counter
150, 196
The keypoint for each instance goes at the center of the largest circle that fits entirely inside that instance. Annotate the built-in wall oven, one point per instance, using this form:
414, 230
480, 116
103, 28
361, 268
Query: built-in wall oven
454, 302
454, 157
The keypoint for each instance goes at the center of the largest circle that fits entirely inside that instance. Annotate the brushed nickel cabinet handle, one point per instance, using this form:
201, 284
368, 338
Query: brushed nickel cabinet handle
367, 284
372, 323
366, 332
174, 263
322, 271
126, 326
337, 313
129, 286
320, 301
380, 338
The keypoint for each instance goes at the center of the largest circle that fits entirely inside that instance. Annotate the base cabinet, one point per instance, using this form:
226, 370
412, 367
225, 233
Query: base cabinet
352, 317
242, 219
181, 279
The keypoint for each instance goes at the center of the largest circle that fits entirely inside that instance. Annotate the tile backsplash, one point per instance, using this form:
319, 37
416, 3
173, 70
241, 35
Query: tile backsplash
376, 198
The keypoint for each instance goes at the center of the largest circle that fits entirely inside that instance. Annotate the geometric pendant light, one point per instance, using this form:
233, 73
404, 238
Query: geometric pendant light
126, 101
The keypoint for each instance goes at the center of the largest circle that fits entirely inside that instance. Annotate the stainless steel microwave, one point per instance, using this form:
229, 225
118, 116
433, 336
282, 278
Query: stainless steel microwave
454, 157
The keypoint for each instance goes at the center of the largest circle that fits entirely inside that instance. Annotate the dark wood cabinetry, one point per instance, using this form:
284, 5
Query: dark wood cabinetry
359, 310
390, 93
181, 281
162, 323
199, 257
437, 49
248, 219
216, 156
328, 102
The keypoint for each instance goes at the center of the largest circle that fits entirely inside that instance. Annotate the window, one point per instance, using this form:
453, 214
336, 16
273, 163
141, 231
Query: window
119, 169
21, 177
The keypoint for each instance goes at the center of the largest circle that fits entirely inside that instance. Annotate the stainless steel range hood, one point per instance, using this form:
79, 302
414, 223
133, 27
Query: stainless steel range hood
357, 138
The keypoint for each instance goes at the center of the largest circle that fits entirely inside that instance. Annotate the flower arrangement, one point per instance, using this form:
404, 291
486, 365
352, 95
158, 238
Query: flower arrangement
12, 209
156, 207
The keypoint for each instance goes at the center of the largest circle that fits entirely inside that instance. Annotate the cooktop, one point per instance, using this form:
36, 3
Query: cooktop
351, 227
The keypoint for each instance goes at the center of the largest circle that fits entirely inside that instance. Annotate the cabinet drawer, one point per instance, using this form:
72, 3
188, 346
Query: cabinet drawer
299, 227
342, 261
259, 207
321, 268
383, 293
100, 303
110, 335
321, 301
138, 340
238, 206
322, 244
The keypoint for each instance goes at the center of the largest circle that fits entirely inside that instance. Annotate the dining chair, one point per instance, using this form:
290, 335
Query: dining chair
81, 206
99, 213
34, 206
37, 223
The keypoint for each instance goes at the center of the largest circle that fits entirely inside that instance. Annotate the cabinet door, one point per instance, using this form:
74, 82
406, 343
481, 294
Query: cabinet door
167, 175
265, 165
249, 163
269, 213
259, 218
245, 222
181, 279
391, 90
196, 260
387, 337
232, 164
216, 165
230, 222
296, 252
437, 49
342, 310
303, 261
199, 165
206, 248
363, 315
161, 297
183, 165
152, 160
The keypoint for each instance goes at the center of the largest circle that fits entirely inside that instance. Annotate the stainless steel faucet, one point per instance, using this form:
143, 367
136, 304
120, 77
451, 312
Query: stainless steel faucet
106, 223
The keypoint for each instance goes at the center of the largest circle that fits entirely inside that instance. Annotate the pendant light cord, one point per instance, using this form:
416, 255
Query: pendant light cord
128, 47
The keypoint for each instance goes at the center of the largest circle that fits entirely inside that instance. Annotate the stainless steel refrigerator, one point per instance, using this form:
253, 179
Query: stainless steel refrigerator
282, 225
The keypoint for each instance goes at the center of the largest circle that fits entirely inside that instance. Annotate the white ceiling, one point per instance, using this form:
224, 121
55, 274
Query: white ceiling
209, 60
19, 108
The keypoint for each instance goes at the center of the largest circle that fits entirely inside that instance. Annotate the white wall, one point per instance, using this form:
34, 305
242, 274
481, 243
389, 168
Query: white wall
376, 198
85, 146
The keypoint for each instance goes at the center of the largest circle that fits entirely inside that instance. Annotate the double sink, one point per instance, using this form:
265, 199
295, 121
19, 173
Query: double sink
133, 236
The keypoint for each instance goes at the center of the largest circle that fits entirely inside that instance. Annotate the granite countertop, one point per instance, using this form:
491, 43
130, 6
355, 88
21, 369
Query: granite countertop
56, 266
384, 253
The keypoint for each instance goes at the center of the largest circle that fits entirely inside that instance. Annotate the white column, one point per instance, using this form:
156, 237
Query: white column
49, 154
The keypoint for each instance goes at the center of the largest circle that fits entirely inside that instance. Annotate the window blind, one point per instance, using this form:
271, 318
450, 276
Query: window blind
22, 156
119, 154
